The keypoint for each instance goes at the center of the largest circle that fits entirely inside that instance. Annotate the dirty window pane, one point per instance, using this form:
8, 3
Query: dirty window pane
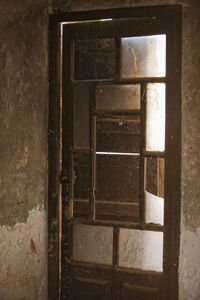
118, 135
117, 97
117, 178
92, 244
141, 249
94, 59
81, 180
154, 190
143, 56
81, 117
155, 122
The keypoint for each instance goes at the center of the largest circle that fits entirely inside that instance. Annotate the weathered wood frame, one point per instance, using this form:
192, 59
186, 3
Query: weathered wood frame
173, 134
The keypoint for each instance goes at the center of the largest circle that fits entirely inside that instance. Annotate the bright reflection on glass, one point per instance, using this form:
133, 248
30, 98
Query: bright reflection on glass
154, 190
154, 209
141, 249
155, 122
143, 56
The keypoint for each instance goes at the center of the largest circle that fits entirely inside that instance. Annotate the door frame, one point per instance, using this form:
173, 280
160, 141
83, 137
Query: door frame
55, 178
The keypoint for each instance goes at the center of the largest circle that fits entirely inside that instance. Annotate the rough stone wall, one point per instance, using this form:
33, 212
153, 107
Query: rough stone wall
23, 149
23, 143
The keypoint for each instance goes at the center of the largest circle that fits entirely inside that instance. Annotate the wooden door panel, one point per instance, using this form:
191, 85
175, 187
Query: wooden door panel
131, 292
114, 252
90, 289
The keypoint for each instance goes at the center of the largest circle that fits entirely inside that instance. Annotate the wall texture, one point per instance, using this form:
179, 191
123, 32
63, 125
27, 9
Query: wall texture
23, 143
23, 149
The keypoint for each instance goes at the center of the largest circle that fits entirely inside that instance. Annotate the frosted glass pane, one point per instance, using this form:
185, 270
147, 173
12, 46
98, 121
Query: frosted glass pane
81, 117
155, 122
118, 97
141, 249
92, 244
143, 56
154, 190
154, 206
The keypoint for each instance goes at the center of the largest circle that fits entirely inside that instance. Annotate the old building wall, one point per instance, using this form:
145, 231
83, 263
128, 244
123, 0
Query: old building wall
23, 143
23, 149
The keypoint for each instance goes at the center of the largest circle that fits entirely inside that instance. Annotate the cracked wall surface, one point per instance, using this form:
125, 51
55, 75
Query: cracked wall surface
23, 143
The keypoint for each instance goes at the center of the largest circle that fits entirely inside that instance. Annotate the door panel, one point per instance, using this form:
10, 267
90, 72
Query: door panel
116, 241
88, 289
131, 292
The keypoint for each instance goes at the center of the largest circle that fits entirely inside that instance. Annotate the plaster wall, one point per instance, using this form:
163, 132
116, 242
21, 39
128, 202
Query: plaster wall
23, 149
23, 143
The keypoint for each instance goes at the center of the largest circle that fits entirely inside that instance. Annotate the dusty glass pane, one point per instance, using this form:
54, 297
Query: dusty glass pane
118, 135
94, 59
92, 244
117, 97
141, 249
143, 56
81, 184
117, 178
154, 190
155, 121
81, 117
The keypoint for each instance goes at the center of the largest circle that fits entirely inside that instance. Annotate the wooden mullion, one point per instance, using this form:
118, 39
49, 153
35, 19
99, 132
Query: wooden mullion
115, 245
118, 58
156, 154
93, 154
119, 224
142, 147
118, 80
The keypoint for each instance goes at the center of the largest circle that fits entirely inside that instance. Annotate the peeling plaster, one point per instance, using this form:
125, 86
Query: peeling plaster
23, 259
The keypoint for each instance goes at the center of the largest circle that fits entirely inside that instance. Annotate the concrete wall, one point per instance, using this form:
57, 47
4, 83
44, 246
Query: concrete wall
23, 143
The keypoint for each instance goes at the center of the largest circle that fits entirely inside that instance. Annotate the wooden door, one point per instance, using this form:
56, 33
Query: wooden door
120, 154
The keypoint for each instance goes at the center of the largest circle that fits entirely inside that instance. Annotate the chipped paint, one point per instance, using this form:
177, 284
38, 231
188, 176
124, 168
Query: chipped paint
23, 259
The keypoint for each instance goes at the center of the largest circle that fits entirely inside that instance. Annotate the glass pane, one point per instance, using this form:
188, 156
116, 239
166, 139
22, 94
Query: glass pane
155, 122
94, 59
141, 249
81, 118
143, 56
154, 190
118, 135
118, 97
82, 181
117, 178
92, 244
